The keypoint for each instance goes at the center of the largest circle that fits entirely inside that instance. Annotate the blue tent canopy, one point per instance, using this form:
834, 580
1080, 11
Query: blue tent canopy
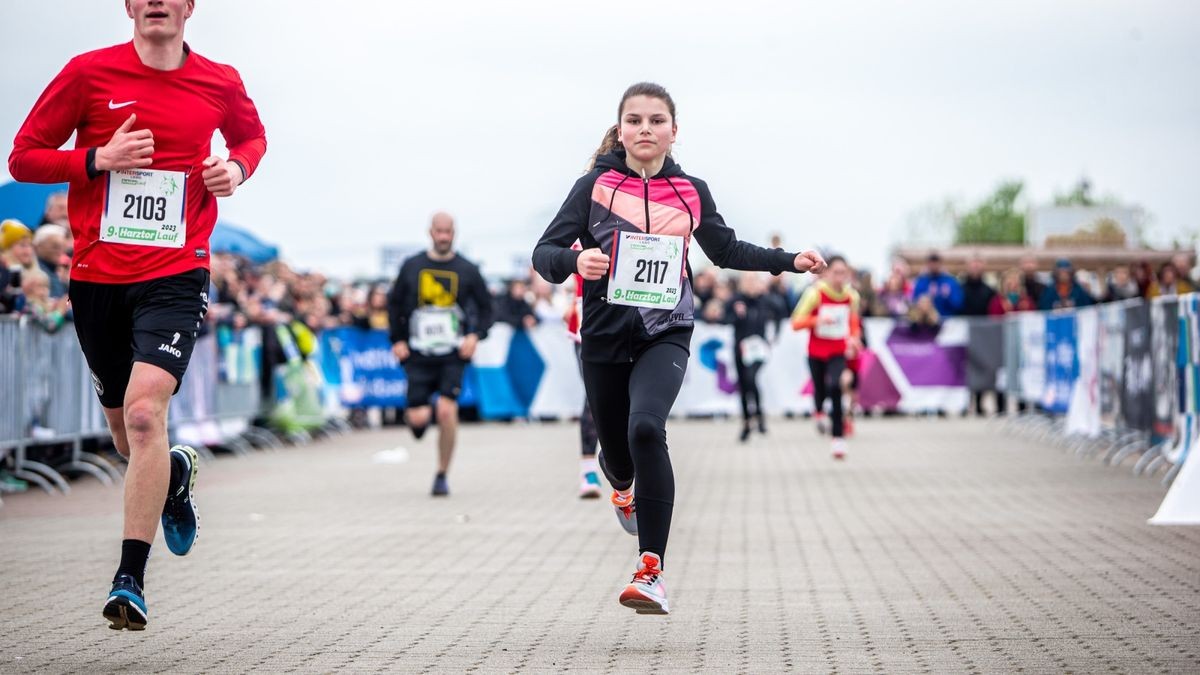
227, 238
26, 201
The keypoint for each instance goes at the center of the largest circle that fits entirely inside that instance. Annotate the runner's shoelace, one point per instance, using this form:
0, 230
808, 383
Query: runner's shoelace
646, 575
625, 504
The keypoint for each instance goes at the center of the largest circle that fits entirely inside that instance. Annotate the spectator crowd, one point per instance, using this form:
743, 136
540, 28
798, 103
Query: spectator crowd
295, 305
35, 267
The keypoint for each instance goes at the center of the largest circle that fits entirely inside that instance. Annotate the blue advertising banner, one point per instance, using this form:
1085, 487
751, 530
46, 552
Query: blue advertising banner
363, 366
1062, 363
360, 366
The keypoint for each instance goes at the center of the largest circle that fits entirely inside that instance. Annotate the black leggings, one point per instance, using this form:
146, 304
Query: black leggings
630, 403
827, 384
587, 426
747, 380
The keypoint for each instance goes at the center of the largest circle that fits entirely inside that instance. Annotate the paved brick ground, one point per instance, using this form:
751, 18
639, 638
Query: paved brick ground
940, 546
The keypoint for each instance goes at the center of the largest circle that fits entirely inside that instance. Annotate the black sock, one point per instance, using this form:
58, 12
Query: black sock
418, 432
134, 554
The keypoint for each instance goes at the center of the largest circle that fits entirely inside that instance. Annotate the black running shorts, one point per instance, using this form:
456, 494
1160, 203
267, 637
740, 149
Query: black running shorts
430, 374
153, 322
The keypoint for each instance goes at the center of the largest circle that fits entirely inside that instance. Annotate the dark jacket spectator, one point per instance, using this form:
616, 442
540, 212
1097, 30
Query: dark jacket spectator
1143, 274
977, 295
1065, 291
513, 308
1034, 288
10, 290
1121, 285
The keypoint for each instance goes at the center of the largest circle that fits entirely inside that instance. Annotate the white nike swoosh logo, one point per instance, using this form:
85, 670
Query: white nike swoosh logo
115, 106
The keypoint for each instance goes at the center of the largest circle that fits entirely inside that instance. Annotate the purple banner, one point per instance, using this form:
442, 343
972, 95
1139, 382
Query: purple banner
926, 363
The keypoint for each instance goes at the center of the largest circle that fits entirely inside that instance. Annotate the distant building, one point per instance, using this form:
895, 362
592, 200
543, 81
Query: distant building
1000, 257
1094, 238
1108, 226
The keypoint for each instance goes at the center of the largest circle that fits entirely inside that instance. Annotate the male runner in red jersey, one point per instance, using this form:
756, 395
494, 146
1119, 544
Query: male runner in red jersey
143, 189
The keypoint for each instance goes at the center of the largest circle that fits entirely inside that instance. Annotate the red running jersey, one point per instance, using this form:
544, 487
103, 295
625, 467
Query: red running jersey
840, 312
93, 95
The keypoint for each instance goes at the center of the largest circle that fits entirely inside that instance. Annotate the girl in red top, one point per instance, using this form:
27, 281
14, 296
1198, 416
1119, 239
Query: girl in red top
829, 309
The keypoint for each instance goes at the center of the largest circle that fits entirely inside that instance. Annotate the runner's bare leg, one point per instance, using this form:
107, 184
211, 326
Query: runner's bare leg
144, 431
447, 419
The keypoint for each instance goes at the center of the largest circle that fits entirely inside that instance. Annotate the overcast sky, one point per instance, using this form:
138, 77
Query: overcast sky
829, 122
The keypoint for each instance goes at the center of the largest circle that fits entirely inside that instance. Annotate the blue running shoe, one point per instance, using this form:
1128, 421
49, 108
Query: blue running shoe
180, 519
589, 486
441, 488
126, 608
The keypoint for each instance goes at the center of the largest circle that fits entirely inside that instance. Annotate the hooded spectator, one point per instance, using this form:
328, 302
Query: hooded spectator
1065, 291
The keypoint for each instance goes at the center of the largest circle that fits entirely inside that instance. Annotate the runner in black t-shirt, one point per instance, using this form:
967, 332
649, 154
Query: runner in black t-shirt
438, 310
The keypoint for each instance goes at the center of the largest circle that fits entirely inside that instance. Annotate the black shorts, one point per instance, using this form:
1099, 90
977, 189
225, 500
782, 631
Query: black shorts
153, 322
430, 374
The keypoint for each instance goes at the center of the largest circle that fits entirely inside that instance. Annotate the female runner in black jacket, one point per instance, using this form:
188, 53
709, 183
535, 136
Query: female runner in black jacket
636, 213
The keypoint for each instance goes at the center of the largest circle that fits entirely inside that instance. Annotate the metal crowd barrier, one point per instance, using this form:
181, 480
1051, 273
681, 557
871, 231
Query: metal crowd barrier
47, 399
220, 396
1112, 383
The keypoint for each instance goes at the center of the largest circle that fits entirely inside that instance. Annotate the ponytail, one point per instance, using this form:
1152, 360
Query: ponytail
607, 145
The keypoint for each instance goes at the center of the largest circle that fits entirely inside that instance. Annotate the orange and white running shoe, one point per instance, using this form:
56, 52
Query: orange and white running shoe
839, 448
646, 592
822, 422
626, 511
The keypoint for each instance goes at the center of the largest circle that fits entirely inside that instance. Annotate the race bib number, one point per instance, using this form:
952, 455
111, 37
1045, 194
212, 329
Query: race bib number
145, 207
648, 270
833, 322
434, 330
754, 350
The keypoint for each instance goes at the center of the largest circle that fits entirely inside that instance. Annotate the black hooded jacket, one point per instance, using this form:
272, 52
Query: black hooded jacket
611, 198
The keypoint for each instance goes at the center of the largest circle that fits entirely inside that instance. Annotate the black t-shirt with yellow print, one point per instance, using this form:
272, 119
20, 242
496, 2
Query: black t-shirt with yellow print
431, 297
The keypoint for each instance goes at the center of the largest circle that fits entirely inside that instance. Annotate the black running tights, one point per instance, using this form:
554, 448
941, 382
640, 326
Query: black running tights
587, 426
747, 376
827, 384
630, 403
